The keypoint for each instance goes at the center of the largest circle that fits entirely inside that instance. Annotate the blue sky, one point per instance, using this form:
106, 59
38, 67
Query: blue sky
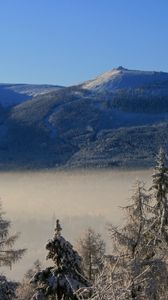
68, 41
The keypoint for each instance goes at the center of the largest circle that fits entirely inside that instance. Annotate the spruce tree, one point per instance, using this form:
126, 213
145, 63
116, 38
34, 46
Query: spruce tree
66, 276
159, 222
138, 274
92, 250
138, 268
8, 255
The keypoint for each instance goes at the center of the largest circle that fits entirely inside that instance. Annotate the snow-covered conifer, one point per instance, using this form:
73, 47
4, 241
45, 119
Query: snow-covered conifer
138, 273
66, 276
7, 288
160, 208
130, 238
92, 250
138, 267
8, 255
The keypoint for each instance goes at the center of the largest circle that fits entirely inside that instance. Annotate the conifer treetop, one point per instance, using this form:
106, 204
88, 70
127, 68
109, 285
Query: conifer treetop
65, 277
58, 228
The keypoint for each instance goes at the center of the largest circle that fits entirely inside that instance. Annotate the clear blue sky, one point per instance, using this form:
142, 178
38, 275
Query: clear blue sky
69, 41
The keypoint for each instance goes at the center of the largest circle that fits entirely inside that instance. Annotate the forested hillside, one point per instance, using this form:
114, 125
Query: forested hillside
118, 120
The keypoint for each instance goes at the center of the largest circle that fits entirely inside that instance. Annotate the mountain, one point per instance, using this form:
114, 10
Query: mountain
121, 78
12, 94
119, 119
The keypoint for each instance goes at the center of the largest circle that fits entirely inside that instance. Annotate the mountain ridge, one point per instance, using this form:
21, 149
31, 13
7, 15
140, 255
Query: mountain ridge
13, 94
119, 124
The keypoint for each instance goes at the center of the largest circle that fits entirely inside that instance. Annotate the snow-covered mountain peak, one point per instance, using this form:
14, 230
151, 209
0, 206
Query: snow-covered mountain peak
121, 78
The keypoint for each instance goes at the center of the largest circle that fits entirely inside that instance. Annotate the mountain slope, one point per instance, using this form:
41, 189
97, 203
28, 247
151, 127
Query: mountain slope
117, 120
121, 78
12, 94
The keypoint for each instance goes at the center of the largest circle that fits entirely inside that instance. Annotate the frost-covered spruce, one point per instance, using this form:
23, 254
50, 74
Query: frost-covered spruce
8, 255
92, 249
137, 272
131, 238
160, 187
66, 276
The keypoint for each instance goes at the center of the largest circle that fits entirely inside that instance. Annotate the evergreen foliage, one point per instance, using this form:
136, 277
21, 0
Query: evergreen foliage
8, 255
92, 250
66, 276
7, 288
140, 274
160, 189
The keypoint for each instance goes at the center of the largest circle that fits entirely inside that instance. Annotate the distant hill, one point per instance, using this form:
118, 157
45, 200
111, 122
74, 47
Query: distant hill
119, 119
12, 94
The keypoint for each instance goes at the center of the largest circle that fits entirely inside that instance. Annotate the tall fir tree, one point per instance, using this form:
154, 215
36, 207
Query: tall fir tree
140, 275
160, 198
66, 276
8, 255
138, 268
92, 250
